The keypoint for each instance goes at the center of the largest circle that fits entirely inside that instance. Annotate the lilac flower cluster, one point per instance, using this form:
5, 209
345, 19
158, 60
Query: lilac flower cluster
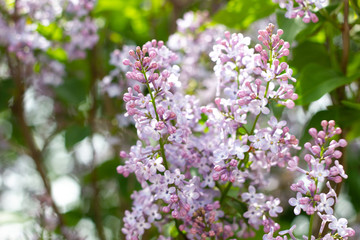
302, 8
322, 171
247, 73
189, 157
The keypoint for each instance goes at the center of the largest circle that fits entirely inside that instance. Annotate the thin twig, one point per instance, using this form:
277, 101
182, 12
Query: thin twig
91, 121
18, 112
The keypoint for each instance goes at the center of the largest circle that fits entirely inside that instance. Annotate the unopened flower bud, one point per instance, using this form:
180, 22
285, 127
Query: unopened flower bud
132, 53
123, 154
224, 177
137, 88
218, 168
338, 131
342, 143
337, 154
166, 209
317, 198
258, 47
174, 198
316, 149
313, 132
175, 214
321, 134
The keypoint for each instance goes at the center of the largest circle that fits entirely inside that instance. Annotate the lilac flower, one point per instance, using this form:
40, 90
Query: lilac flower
340, 225
252, 196
303, 8
177, 136
191, 193
239, 149
165, 193
208, 181
325, 204
141, 225
295, 202
253, 214
221, 153
319, 172
152, 213
274, 207
259, 141
178, 177
156, 165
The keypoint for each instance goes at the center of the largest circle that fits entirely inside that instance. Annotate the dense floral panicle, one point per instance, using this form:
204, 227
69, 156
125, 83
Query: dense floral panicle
302, 8
188, 156
322, 169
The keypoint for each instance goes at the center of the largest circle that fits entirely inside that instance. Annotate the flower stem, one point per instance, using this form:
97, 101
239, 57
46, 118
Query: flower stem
224, 193
162, 149
310, 226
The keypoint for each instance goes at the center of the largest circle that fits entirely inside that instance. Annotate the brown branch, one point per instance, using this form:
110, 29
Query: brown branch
18, 111
91, 121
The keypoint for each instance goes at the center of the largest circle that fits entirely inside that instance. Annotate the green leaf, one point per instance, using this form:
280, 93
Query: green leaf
353, 169
72, 92
351, 104
73, 217
276, 109
317, 80
51, 32
240, 14
6, 89
57, 54
354, 63
311, 31
309, 52
291, 27
75, 134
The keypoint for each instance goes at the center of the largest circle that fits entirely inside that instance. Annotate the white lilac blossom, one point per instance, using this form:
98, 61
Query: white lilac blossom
322, 168
189, 156
302, 8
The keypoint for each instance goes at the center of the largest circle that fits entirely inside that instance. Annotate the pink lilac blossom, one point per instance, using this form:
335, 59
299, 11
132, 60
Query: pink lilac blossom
302, 8
188, 155
322, 168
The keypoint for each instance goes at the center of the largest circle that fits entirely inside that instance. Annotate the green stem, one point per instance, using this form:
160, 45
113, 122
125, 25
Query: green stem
253, 127
162, 149
311, 225
177, 224
224, 193
312, 216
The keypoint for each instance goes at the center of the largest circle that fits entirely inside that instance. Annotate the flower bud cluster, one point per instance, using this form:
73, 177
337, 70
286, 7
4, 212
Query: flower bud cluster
323, 168
253, 77
302, 8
